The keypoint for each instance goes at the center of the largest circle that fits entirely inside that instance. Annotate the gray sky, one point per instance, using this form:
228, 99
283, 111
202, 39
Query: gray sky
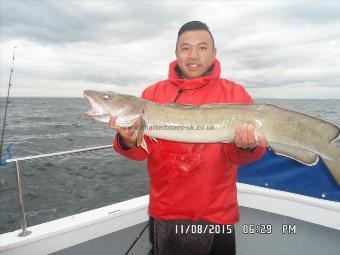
287, 49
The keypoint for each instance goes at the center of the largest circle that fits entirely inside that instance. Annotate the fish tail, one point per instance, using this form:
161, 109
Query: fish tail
334, 167
331, 158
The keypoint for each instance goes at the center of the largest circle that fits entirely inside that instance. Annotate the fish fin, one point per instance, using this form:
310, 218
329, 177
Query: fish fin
304, 156
140, 136
326, 130
334, 167
154, 139
144, 146
141, 141
126, 122
120, 122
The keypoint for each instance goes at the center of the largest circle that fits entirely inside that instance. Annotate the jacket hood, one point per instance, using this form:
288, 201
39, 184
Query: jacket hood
193, 83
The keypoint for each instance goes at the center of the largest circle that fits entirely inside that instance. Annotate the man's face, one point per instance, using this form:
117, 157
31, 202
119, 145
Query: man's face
195, 53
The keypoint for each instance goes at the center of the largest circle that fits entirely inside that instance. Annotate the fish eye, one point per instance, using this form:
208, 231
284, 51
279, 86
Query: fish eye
107, 97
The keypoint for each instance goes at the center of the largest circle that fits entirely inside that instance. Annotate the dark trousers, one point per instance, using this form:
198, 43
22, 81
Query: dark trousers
223, 243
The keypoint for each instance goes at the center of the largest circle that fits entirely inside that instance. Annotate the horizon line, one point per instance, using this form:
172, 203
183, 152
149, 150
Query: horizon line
253, 97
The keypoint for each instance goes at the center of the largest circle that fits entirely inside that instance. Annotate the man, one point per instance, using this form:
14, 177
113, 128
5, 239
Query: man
193, 186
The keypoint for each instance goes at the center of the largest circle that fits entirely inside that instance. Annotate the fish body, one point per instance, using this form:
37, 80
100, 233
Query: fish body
291, 134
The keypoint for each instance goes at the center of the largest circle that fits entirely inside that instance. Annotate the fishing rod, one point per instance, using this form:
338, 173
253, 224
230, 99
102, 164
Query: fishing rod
6, 106
138, 237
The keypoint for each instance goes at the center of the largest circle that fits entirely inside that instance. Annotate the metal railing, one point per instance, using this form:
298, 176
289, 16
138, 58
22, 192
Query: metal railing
24, 231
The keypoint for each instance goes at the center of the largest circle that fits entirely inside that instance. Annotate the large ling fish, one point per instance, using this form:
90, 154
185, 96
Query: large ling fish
291, 134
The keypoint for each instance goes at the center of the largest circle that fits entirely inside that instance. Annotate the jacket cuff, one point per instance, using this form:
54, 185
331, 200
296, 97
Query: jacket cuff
257, 151
248, 149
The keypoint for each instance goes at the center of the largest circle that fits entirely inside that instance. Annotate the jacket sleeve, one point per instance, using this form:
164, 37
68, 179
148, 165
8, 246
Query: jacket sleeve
236, 155
136, 153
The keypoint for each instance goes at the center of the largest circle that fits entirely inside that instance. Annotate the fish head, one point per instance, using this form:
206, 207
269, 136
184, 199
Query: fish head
105, 104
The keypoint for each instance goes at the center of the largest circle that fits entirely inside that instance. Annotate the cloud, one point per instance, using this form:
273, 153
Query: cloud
271, 47
308, 12
56, 22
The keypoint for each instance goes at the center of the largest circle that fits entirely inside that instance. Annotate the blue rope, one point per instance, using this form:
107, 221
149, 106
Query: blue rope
9, 155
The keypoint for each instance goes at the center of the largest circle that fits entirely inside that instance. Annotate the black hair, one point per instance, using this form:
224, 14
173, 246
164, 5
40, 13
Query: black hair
195, 25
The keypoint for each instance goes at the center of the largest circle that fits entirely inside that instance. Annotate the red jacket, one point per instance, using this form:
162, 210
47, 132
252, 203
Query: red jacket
194, 181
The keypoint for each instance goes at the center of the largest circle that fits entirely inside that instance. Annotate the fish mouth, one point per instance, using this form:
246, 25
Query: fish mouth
92, 114
96, 109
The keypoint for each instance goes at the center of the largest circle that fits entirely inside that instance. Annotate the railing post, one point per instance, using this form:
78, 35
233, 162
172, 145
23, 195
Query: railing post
24, 232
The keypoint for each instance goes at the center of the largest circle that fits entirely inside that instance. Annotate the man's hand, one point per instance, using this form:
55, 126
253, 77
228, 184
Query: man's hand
128, 135
245, 137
